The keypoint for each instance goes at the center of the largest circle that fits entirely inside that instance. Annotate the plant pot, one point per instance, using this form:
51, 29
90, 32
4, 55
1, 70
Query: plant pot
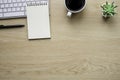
108, 9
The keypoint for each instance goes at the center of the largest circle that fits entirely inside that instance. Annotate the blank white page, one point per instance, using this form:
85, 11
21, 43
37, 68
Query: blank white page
38, 21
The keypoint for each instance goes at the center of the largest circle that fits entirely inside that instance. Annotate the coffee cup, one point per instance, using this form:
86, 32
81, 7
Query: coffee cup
74, 6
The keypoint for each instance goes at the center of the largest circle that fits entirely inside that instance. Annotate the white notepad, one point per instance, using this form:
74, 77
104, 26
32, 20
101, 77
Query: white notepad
38, 21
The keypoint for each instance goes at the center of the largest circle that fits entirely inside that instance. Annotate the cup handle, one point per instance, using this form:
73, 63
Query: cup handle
69, 14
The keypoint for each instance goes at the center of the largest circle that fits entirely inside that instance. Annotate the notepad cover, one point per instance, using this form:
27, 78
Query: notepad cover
38, 22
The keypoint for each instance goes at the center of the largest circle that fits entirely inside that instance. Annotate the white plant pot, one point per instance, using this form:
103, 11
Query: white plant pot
103, 14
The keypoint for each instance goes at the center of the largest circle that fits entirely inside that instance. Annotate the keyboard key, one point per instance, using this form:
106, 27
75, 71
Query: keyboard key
19, 4
1, 15
5, 1
25, 13
18, 0
9, 1
23, 0
1, 1
13, 9
10, 5
2, 5
14, 1
4, 10
27, 0
24, 4
9, 9
15, 4
0, 10
18, 9
13, 14
6, 5
22, 8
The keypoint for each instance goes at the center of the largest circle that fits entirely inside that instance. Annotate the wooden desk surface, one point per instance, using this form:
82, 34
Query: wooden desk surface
85, 47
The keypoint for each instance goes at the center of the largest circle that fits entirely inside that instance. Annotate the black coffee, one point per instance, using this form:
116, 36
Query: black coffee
75, 5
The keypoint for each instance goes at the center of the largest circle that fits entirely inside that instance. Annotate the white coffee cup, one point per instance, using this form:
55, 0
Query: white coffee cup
70, 11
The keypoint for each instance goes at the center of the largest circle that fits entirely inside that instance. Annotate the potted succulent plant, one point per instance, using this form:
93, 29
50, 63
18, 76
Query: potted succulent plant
108, 9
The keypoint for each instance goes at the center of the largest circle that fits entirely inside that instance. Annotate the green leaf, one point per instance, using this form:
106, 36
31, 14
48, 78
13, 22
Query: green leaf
106, 3
112, 3
115, 6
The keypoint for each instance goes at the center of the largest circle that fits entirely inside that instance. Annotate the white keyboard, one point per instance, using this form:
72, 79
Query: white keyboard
15, 8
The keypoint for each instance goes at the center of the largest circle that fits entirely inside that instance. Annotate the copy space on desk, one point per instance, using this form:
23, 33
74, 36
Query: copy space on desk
38, 21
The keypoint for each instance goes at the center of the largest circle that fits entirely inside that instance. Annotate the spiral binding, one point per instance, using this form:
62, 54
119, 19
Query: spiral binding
40, 3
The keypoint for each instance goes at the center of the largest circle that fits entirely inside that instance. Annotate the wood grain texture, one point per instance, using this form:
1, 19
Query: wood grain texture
85, 47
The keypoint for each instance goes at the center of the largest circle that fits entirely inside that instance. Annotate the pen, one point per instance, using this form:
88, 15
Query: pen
11, 26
